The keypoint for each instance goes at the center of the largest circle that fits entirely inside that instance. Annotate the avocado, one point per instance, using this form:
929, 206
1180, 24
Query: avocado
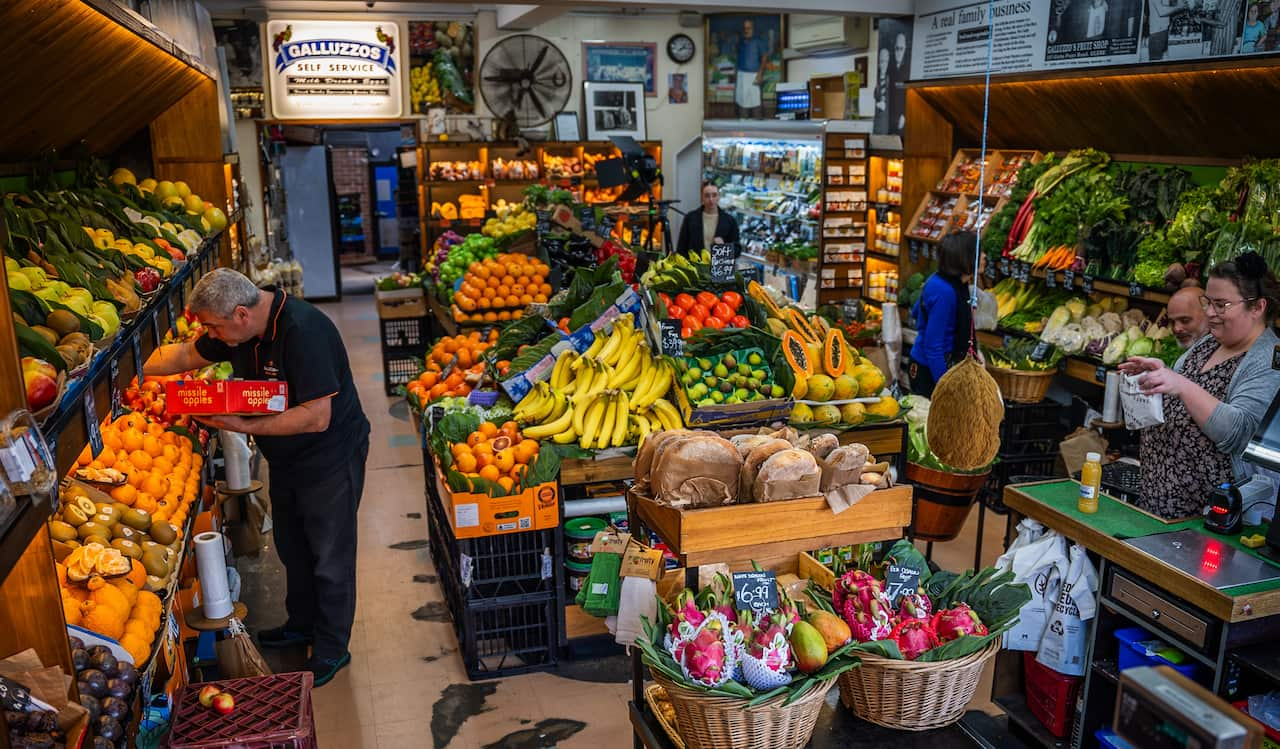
127, 548
163, 533
136, 519
61, 531
91, 528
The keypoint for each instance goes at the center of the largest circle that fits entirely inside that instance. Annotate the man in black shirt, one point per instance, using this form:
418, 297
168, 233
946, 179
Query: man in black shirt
316, 449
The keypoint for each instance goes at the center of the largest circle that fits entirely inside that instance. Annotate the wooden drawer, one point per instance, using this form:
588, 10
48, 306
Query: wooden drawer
1171, 617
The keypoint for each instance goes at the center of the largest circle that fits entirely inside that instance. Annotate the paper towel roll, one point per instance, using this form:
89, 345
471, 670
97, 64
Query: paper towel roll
211, 563
1111, 398
236, 453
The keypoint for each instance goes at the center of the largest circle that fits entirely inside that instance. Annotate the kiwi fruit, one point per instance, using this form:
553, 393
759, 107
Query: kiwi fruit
62, 322
136, 519
61, 531
71, 543
121, 507
74, 515
154, 584
107, 515
92, 528
47, 333
87, 506
163, 533
74, 491
127, 548
155, 563
129, 534
76, 338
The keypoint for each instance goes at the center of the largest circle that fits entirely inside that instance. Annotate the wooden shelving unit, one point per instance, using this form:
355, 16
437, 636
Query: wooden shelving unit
845, 231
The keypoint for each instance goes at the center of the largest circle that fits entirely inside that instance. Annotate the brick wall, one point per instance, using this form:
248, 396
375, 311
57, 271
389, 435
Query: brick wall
351, 175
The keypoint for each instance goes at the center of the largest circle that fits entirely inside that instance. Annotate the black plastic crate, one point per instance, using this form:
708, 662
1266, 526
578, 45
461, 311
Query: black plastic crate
405, 333
1015, 471
1018, 414
506, 636
400, 367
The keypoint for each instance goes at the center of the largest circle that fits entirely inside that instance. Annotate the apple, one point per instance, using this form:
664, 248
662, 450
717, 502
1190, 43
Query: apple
41, 389
31, 363
207, 694
223, 703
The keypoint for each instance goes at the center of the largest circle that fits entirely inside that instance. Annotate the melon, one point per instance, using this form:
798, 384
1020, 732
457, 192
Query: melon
797, 356
846, 387
835, 354
821, 388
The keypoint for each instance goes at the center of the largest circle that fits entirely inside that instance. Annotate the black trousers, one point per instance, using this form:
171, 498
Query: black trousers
314, 527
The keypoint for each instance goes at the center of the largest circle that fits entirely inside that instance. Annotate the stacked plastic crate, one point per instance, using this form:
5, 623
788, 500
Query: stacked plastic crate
402, 329
1029, 440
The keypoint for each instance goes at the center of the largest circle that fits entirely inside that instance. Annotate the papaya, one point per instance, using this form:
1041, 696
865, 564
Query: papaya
821, 388
800, 324
835, 354
808, 647
820, 324
835, 632
793, 348
761, 295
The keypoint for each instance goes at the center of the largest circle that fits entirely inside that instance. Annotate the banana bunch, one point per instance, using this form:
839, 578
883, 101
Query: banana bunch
424, 86
678, 271
611, 395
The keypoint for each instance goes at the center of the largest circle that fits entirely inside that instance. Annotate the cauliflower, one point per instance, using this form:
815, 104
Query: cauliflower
1133, 317
1071, 339
1111, 322
1093, 329
1076, 307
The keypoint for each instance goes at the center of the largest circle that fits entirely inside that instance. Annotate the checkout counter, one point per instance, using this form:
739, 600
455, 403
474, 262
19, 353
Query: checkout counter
1209, 595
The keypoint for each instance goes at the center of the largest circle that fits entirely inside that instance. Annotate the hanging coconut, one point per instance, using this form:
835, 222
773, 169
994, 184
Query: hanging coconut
964, 416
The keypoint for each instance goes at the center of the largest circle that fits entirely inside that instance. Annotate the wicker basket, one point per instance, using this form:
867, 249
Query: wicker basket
655, 695
710, 722
913, 696
1018, 386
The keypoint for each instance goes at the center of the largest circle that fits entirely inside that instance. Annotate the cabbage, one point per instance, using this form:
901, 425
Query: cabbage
1115, 350
1060, 317
1133, 332
1141, 346
1076, 307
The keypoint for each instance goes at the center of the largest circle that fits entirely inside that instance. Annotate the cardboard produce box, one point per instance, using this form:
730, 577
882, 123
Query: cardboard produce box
223, 397
474, 515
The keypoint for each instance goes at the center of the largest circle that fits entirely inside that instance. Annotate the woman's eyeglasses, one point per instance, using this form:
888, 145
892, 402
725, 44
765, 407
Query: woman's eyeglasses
1219, 306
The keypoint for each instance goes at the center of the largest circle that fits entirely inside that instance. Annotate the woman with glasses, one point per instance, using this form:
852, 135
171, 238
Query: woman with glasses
1215, 395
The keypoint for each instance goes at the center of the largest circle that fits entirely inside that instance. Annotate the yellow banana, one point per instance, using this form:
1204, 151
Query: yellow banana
610, 416
560, 373
526, 410
551, 428
566, 437
580, 409
591, 424
668, 414
622, 420
612, 343
629, 368
593, 350
641, 425
560, 404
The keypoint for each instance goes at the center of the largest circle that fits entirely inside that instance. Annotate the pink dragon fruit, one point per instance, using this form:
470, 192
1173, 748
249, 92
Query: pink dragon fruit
860, 599
849, 584
915, 606
956, 622
766, 659
914, 636
686, 610
705, 657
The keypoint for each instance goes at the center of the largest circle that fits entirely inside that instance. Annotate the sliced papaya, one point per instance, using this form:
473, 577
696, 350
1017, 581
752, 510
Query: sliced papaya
821, 325
835, 355
793, 348
800, 324
761, 295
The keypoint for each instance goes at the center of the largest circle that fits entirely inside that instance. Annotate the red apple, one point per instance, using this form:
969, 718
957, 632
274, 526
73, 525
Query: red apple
41, 389
30, 363
223, 703
207, 694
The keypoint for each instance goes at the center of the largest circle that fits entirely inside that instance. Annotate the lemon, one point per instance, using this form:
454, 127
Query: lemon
123, 176
183, 189
165, 190
147, 185
192, 203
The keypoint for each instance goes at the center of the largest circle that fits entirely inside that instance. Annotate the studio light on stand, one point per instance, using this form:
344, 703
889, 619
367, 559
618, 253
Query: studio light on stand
638, 171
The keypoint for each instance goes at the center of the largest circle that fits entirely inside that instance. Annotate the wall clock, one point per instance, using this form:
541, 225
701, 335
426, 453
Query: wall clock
680, 48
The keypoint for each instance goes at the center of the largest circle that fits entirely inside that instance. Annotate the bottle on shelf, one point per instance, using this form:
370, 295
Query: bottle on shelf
1090, 483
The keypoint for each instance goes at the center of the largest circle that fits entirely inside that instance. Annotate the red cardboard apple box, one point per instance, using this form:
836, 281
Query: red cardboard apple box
220, 397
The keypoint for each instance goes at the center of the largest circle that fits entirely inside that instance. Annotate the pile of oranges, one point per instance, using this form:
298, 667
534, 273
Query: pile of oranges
495, 453
163, 469
464, 351
497, 289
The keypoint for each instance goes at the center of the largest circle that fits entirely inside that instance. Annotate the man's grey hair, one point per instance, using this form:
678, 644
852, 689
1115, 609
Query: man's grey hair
220, 291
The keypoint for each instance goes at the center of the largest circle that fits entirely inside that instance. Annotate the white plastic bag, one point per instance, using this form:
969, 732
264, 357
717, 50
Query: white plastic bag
1140, 411
1042, 564
891, 334
1066, 638
985, 316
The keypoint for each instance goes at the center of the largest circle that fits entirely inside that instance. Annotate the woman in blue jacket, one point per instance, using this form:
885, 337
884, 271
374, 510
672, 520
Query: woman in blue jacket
943, 317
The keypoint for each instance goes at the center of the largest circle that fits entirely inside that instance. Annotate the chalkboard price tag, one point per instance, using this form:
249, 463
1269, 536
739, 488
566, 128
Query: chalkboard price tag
1135, 288
14, 696
587, 216
1041, 351
913, 250
1068, 278
1086, 283
1050, 280
91, 420
138, 361
990, 271
753, 272
755, 591
672, 342
1100, 374
606, 227
899, 580
113, 387
1004, 266
1026, 272
544, 221
722, 258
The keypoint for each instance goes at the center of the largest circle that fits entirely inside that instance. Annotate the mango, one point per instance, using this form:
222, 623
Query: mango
834, 631
808, 647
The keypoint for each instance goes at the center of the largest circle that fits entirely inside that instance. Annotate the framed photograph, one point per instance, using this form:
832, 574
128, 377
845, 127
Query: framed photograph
860, 65
614, 109
744, 65
622, 62
677, 88
567, 128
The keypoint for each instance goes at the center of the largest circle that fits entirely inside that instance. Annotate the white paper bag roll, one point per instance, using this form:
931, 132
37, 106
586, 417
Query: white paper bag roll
211, 563
1111, 398
236, 453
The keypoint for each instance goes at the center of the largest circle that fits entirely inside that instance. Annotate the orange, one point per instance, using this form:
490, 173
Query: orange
493, 282
155, 484
526, 451
545, 289
152, 446
145, 502
459, 447
137, 477
140, 460
503, 291
490, 473
155, 430
489, 429
465, 462
129, 421
197, 460
484, 303
506, 483
491, 316
171, 452
505, 459
474, 438
86, 456
526, 300
111, 438
540, 298
162, 466
504, 315
465, 302
513, 300
107, 457
132, 439
125, 494
169, 439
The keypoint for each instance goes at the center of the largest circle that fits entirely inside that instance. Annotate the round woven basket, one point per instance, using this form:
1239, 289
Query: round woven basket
913, 696
1022, 387
707, 721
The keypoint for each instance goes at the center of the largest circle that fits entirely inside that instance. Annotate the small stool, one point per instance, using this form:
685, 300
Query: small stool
196, 619
224, 493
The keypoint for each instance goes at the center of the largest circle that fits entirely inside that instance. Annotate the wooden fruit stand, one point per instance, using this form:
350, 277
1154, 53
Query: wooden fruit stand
88, 76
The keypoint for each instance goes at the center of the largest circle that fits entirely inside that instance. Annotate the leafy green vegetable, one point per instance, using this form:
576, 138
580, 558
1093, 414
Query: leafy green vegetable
997, 230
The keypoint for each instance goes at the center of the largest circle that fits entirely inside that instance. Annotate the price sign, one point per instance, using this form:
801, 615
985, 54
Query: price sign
755, 591
1100, 374
173, 316
587, 216
1026, 272
671, 340
1068, 278
753, 272
913, 250
722, 259
1135, 288
606, 227
1086, 284
113, 387
91, 420
900, 580
1004, 266
14, 696
1041, 351
138, 361
1050, 280
990, 271
544, 221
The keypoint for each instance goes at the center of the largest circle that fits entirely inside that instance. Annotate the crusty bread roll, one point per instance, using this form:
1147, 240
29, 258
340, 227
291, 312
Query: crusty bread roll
787, 474
751, 467
696, 470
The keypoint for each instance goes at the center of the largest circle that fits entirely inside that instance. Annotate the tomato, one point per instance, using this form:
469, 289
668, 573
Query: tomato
666, 299
676, 312
685, 301
700, 311
739, 321
721, 310
707, 299
714, 322
688, 328
731, 298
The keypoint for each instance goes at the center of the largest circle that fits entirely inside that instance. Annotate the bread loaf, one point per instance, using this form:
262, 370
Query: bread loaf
693, 470
787, 474
751, 467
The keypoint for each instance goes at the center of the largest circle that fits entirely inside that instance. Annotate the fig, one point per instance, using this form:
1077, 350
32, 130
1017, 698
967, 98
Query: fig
92, 705
119, 688
116, 708
80, 659
105, 662
96, 649
108, 728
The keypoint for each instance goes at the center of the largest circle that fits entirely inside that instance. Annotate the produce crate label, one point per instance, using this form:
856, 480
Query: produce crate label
755, 591
548, 565
20, 458
465, 567
1051, 280
899, 580
466, 516
14, 696
113, 388
91, 421
722, 259
1135, 288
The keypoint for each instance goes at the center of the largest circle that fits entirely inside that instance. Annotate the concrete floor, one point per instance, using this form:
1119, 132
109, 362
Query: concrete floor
406, 685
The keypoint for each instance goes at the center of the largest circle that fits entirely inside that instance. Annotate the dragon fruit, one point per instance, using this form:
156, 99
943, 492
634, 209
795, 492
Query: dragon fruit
708, 653
705, 657
860, 599
850, 583
957, 622
766, 659
915, 606
914, 636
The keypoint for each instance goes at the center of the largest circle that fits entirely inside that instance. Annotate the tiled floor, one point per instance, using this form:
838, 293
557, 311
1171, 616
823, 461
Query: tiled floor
406, 686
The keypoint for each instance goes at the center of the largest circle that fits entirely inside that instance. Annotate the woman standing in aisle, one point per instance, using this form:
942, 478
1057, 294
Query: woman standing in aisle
708, 225
1215, 395
943, 317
